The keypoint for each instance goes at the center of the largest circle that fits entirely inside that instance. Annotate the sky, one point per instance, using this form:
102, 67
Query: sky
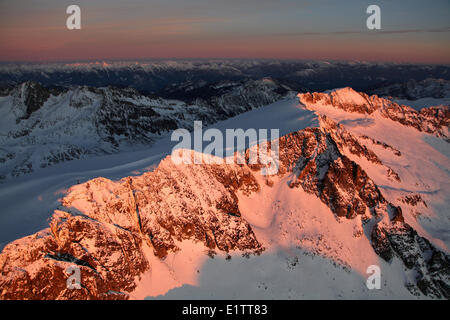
411, 30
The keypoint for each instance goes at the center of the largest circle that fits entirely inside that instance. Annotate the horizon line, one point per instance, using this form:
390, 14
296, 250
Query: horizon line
161, 59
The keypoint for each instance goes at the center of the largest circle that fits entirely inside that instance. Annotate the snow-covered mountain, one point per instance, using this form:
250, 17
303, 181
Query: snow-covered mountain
433, 120
41, 126
417, 94
362, 181
155, 76
413, 90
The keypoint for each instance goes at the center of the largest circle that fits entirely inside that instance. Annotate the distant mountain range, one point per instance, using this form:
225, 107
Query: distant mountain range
159, 76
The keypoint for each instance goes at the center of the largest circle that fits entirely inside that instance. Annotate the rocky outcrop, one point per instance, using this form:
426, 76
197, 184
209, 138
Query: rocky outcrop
321, 169
433, 120
384, 145
174, 203
33, 96
235, 98
104, 228
108, 257
430, 268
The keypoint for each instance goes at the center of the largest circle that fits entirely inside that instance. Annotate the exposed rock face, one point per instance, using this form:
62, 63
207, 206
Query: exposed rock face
108, 257
335, 179
105, 226
33, 96
433, 120
383, 144
413, 200
126, 113
320, 168
235, 98
174, 203
316, 157
430, 267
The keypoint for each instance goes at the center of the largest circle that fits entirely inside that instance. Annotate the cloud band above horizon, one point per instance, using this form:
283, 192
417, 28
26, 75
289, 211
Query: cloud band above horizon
412, 31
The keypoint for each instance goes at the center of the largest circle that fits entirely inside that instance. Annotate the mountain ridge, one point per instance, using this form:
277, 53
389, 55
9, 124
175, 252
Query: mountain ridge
43, 126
